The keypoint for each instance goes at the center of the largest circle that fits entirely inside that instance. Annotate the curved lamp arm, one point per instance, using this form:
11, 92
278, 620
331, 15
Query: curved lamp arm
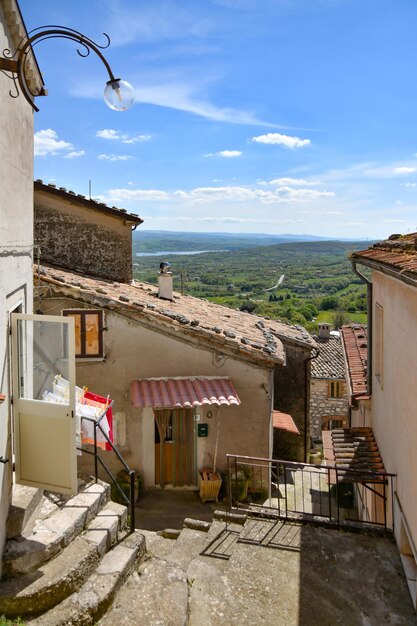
16, 64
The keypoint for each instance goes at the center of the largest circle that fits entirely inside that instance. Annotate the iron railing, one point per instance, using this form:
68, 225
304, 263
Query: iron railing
332, 494
129, 501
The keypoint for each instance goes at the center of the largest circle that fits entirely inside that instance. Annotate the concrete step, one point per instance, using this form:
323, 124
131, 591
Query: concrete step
87, 605
156, 545
104, 530
50, 535
187, 547
25, 501
272, 533
38, 591
156, 595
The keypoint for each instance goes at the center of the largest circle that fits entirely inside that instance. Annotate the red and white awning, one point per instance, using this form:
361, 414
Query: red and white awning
164, 393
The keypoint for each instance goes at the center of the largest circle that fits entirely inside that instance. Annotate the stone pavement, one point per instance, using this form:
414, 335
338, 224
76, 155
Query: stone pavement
272, 573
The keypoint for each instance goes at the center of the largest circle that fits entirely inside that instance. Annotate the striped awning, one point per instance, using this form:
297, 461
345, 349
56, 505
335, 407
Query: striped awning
161, 393
284, 421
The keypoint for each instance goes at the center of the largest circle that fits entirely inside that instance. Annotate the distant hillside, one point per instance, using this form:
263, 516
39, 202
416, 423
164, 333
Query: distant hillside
158, 240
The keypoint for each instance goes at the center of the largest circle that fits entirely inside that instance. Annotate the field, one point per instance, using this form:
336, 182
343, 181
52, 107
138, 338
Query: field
299, 282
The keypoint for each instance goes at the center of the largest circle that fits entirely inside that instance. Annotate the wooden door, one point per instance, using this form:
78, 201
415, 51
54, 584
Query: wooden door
176, 460
43, 347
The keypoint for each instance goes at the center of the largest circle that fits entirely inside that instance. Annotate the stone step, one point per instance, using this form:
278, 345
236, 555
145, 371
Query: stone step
187, 547
156, 545
103, 531
50, 535
38, 591
87, 605
25, 501
156, 595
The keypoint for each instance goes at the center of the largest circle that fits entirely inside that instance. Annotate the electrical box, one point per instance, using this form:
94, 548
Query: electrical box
202, 430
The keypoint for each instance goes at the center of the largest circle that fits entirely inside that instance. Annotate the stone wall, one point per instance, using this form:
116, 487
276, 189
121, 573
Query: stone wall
83, 239
323, 408
289, 397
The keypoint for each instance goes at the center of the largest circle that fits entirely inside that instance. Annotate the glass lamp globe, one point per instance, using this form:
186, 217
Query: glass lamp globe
119, 95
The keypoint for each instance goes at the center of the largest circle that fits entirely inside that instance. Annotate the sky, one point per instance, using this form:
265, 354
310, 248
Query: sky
264, 116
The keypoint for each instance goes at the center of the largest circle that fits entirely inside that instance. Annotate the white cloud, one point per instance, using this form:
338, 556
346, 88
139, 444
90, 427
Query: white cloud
225, 154
405, 170
118, 195
296, 194
47, 143
282, 140
410, 185
292, 182
111, 134
74, 154
114, 157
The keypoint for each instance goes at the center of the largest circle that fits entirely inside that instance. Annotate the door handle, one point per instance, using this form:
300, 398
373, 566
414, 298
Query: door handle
3, 460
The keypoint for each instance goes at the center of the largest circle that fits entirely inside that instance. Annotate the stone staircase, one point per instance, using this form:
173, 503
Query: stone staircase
65, 557
245, 572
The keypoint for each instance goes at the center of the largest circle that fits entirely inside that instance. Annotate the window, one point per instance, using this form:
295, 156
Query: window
88, 333
335, 389
379, 342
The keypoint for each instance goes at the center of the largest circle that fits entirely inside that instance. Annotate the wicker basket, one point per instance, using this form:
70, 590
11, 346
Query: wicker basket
209, 489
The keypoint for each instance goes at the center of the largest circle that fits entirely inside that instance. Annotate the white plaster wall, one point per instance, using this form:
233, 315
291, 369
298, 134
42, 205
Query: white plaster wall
133, 351
16, 235
394, 402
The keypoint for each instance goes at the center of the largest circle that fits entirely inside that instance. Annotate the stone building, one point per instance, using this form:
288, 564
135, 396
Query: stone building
88, 236
329, 405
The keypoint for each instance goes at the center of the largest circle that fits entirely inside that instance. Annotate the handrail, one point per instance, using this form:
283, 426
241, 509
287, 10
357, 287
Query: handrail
97, 459
340, 468
305, 491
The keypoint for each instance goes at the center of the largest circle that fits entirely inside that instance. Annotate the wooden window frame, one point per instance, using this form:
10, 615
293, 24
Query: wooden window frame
82, 313
335, 389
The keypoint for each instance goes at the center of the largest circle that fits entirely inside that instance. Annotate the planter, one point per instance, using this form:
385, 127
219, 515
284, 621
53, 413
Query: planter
210, 484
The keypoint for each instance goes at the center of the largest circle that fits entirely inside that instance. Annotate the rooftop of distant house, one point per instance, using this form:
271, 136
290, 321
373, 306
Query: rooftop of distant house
244, 333
330, 362
355, 346
398, 253
77, 198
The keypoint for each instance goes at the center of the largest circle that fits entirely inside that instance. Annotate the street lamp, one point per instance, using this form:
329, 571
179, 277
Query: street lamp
118, 94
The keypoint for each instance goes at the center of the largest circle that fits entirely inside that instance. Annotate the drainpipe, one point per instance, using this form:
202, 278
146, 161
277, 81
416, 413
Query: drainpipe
370, 317
306, 404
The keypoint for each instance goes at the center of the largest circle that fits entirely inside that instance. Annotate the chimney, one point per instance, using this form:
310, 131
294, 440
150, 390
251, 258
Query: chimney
324, 331
165, 281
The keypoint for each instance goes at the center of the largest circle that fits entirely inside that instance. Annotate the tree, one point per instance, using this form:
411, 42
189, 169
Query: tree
329, 302
340, 318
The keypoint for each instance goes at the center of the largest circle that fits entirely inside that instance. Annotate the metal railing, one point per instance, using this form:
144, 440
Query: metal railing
332, 494
129, 501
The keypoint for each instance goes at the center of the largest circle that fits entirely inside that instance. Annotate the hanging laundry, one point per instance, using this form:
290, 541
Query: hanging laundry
109, 414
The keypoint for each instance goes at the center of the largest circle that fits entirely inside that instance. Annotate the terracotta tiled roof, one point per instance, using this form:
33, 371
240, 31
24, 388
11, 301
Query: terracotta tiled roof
330, 362
284, 421
183, 392
241, 332
353, 449
355, 346
78, 198
399, 253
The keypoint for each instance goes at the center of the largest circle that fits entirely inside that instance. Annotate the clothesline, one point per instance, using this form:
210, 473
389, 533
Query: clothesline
87, 405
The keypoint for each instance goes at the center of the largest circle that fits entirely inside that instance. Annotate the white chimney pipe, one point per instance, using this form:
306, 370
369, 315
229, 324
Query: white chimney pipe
165, 282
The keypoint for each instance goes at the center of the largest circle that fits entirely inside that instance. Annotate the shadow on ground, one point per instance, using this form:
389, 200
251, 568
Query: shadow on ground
167, 508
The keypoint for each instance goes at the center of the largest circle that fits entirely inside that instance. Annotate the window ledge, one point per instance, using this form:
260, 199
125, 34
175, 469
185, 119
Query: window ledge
95, 359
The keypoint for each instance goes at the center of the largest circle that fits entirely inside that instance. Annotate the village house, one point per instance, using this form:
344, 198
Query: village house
202, 378
16, 232
392, 362
328, 399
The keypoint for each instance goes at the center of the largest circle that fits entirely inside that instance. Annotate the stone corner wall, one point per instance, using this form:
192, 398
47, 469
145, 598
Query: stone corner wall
87, 244
323, 409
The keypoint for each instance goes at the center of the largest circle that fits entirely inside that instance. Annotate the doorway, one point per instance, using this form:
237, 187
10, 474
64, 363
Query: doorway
175, 447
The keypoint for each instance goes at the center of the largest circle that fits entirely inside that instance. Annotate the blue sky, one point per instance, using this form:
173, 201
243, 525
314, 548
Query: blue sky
276, 116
